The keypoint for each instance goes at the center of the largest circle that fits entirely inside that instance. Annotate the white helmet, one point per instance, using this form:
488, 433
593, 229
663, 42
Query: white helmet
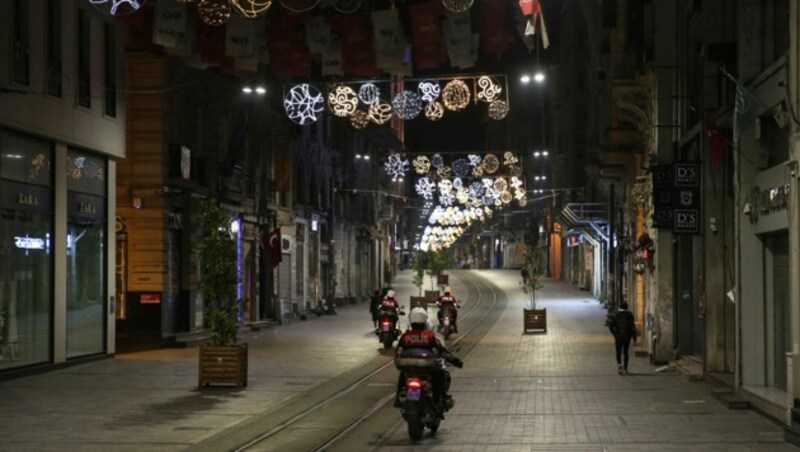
448, 290
418, 315
391, 294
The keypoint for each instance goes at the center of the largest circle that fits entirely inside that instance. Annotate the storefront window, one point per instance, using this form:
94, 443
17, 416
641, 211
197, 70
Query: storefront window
86, 256
26, 256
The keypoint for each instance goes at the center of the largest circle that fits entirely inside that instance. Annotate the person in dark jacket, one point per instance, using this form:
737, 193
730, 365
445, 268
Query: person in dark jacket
623, 328
374, 302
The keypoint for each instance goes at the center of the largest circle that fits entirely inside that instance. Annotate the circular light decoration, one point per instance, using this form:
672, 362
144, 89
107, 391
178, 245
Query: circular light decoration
522, 202
462, 195
516, 182
445, 186
491, 163
369, 93
476, 189
251, 9
347, 6
509, 158
500, 184
342, 100
429, 90
437, 161
380, 112
478, 170
302, 104
488, 89
474, 160
425, 188
421, 164
446, 199
461, 167
519, 193
458, 184
506, 197
299, 6
444, 171
498, 110
457, 6
120, 7
359, 119
515, 170
434, 110
214, 12
456, 95
407, 105
395, 166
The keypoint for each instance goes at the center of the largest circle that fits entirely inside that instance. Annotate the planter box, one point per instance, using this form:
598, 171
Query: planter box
420, 302
534, 320
443, 280
431, 295
222, 365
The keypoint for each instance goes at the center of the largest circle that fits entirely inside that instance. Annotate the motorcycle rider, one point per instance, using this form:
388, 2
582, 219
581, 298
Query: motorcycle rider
448, 300
419, 336
389, 304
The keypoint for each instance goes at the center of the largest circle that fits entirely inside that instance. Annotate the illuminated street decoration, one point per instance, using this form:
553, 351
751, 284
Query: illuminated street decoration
395, 166
456, 95
476, 189
498, 110
425, 188
437, 161
460, 167
380, 112
458, 183
342, 101
347, 6
444, 171
516, 182
407, 105
491, 163
457, 6
500, 184
445, 186
488, 89
369, 93
251, 9
359, 119
421, 164
303, 103
214, 12
132, 5
29, 243
509, 159
429, 90
434, 110
474, 159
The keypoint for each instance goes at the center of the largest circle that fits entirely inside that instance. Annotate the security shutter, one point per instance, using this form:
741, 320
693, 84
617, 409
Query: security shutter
285, 284
780, 282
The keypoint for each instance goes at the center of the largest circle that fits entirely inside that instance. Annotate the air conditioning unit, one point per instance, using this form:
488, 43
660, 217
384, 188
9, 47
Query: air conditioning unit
287, 244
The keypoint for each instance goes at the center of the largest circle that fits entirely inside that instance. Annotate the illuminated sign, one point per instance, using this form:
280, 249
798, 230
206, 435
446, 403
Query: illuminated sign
29, 243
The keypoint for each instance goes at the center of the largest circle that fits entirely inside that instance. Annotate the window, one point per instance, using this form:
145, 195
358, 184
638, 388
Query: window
84, 85
21, 37
54, 48
110, 37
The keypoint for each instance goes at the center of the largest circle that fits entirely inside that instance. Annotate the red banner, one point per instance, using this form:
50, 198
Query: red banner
272, 246
495, 38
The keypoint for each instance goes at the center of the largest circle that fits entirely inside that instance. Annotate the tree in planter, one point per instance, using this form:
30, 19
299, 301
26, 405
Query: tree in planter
219, 277
533, 282
437, 261
418, 266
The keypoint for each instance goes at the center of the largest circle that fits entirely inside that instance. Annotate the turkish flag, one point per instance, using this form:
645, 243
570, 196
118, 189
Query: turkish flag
272, 246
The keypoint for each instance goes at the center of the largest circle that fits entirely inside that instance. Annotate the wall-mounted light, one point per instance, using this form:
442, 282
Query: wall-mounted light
257, 89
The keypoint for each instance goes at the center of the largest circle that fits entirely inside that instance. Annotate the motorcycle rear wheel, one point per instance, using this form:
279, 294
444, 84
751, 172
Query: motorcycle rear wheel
434, 425
387, 342
415, 428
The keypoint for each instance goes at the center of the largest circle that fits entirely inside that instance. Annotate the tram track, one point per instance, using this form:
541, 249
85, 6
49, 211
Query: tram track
325, 415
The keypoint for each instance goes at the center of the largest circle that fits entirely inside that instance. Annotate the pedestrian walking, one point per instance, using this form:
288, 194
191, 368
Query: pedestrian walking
374, 302
524, 273
623, 328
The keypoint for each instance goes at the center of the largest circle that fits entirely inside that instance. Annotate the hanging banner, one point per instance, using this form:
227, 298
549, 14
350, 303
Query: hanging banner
495, 39
318, 35
240, 39
389, 41
332, 59
169, 23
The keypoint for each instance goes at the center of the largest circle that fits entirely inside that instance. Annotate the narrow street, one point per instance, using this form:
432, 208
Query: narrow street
327, 383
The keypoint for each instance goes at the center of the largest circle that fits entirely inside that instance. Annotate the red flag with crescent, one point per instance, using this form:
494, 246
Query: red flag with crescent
272, 246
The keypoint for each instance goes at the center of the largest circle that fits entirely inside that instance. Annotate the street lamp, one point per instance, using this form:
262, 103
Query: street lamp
257, 89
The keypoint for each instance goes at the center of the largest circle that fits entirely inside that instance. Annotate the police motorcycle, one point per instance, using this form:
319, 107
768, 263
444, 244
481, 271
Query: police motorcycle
387, 330
415, 396
447, 326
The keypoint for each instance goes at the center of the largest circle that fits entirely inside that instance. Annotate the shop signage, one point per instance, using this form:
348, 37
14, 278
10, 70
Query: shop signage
29, 243
767, 201
150, 298
86, 207
25, 197
677, 197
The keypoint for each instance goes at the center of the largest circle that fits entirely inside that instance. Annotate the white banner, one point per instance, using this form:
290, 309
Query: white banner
332, 59
389, 43
462, 45
318, 35
240, 36
169, 23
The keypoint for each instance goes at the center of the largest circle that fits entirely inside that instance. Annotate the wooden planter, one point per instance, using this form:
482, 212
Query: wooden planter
442, 279
431, 295
222, 365
418, 302
534, 320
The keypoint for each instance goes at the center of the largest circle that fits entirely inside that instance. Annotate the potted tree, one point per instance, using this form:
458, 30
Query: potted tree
222, 360
418, 278
533, 319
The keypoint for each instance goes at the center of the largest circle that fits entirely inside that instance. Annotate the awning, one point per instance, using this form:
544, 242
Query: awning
588, 218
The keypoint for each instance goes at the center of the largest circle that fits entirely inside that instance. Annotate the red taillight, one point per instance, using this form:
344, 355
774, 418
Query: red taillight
414, 384
387, 323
